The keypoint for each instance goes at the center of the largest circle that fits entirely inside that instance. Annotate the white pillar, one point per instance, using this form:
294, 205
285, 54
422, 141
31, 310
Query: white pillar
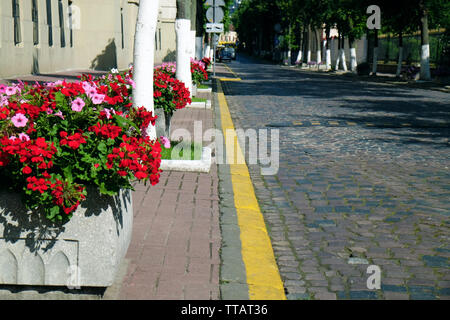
144, 56
184, 52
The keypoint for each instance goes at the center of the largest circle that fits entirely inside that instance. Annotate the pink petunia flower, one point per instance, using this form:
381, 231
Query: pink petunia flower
97, 98
10, 91
19, 120
3, 101
59, 114
24, 137
78, 104
165, 141
3, 88
90, 92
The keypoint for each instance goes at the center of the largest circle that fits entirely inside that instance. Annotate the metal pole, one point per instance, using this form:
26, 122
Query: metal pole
214, 40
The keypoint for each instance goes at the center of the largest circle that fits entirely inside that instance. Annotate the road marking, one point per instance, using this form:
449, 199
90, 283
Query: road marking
297, 123
230, 79
229, 69
263, 277
315, 123
351, 123
333, 123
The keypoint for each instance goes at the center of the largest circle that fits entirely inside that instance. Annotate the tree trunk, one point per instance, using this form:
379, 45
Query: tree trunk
400, 54
353, 62
375, 54
193, 27
144, 56
183, 41
300, 51
289, 50
327, 49
200, 32
338, 58
308, 49
425, 52
318, 33
344, 63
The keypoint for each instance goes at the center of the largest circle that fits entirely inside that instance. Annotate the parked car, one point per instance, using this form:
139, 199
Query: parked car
226, 54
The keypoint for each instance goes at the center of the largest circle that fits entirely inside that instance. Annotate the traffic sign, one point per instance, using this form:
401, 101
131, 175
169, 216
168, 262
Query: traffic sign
214, 27
216, 3
214, 14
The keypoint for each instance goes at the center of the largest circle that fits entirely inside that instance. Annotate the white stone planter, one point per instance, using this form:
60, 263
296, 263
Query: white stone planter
85, 251
194, 90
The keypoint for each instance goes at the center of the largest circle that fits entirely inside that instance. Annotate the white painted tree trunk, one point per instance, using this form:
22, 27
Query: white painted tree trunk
192, 43
144, 56
319, 56
299, 57
338, 60
344, 63
308, 56
207, 51
199, 48
328, 59
184, 52
353, 62
425, 63
375, 61
289, 54
400, 61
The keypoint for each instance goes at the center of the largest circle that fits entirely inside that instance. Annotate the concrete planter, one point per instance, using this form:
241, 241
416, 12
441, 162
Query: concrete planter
194, 90
85, 251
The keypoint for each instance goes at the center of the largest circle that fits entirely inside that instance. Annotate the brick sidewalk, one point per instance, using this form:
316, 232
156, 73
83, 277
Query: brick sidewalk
174, 252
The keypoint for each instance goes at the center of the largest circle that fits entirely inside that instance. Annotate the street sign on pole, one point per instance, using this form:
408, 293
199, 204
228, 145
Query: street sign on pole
214, 27
214, 14
215, 3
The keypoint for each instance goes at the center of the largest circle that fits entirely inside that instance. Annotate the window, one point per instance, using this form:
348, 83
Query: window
35, 19
61, 23
158, 39
159, 32
121, 27
70, 23
16, 19
49, 23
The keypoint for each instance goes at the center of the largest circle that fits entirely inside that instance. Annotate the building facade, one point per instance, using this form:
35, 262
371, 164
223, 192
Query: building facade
47, 36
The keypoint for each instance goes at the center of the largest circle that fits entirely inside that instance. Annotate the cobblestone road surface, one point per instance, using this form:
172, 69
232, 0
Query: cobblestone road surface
363, 180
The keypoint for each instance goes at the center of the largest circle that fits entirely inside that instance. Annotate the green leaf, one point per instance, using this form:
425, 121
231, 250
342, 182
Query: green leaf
68, 173
104, 190
54, 211
102, 147
121, 121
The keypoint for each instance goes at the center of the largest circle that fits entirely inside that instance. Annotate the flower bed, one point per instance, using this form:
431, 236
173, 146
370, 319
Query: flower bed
58, 138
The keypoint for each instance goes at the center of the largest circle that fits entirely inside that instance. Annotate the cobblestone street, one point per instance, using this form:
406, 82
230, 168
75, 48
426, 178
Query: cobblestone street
363, 180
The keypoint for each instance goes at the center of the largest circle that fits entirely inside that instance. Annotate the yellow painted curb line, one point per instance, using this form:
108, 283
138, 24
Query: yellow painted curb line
263, 277
230, 79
